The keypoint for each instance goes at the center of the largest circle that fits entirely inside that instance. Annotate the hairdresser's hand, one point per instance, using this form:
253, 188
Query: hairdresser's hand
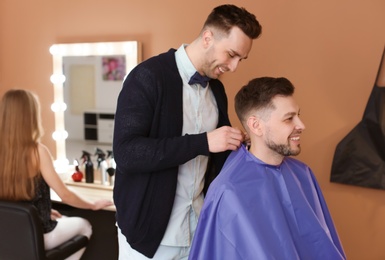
224, 138
100, 204
246, 139
55, 214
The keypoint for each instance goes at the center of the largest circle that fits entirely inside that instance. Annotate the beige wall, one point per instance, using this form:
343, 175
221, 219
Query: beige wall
329, 49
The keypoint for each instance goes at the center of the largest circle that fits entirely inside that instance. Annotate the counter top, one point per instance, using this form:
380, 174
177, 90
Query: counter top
96, 185
89, 191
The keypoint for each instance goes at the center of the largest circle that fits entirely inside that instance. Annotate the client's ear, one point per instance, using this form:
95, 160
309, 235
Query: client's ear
255, 125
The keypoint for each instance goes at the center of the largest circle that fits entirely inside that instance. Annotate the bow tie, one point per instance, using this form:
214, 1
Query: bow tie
199, 79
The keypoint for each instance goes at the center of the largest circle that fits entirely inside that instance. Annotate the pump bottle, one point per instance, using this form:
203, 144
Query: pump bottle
102, 166
111, 167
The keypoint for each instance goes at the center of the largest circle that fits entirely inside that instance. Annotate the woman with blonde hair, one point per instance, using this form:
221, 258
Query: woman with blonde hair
27, 172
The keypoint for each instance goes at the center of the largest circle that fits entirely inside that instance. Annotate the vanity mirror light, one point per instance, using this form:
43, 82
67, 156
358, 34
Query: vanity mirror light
99, 69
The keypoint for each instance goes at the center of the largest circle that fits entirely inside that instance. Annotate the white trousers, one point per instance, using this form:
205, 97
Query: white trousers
67, 228
126, 252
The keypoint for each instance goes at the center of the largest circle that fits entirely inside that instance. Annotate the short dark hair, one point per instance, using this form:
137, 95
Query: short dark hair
258, 94
225, 17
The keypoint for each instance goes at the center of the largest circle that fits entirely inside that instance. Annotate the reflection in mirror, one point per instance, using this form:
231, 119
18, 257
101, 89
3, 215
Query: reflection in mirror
87, 79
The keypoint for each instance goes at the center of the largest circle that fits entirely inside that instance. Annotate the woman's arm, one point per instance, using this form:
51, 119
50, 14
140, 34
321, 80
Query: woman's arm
54, 182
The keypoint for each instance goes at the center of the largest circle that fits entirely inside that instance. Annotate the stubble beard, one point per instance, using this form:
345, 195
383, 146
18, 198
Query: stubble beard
283, 149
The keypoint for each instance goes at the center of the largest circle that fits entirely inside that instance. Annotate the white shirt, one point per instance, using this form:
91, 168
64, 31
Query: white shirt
200, 114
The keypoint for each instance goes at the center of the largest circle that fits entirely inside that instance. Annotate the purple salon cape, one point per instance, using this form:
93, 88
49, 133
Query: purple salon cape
257, 211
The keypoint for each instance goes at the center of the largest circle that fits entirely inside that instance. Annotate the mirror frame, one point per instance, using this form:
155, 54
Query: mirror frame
132, 52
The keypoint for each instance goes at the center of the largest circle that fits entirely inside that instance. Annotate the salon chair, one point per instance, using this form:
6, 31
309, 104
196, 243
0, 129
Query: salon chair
22, 237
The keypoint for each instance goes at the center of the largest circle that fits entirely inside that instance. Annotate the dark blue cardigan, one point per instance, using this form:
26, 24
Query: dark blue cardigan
148, 148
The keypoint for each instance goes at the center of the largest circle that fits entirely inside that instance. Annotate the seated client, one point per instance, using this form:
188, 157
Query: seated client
265, 204
27, 172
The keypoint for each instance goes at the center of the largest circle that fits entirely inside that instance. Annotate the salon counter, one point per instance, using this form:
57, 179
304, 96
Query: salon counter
89, 191
103, 243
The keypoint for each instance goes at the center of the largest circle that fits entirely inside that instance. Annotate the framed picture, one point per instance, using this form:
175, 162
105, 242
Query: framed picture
114, 67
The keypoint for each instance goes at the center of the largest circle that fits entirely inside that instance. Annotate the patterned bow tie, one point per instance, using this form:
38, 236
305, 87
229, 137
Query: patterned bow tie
199, 79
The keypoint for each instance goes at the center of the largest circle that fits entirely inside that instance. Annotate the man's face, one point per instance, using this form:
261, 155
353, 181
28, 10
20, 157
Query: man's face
224, 53
284, 127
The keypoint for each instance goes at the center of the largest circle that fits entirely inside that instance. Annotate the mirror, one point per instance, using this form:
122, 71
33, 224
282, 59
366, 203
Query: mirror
87, 79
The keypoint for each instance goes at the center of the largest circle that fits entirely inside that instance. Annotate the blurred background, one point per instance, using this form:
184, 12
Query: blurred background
329, 49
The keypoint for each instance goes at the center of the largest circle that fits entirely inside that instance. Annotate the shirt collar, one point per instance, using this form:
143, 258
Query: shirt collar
184, 64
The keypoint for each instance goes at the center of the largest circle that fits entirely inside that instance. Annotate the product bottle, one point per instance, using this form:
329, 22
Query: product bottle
88, 167
102, 166
111, 167
77, 176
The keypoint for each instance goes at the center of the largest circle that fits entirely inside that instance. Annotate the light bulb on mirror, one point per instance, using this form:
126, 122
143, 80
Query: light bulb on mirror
62, 167
57, 78
60, 135
57, 107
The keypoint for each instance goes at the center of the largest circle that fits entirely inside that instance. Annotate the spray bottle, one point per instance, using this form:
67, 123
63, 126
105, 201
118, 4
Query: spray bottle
111, 167
102, 166
88, 167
